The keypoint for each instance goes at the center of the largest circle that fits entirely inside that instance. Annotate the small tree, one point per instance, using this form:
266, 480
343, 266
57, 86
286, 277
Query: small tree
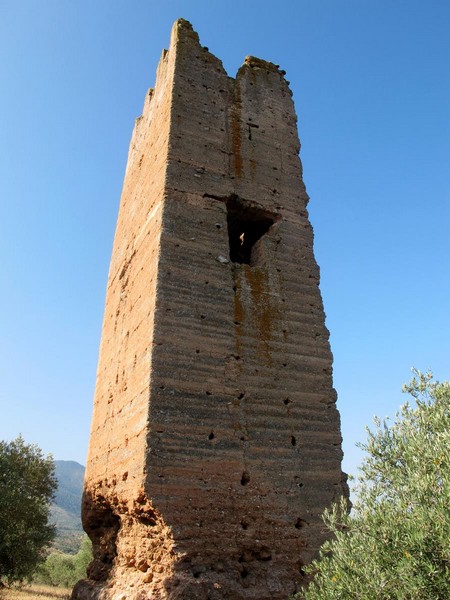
27, 485
82, 558
64, 570
395, 544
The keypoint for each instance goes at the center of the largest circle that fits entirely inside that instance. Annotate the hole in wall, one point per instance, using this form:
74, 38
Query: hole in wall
263, 554
245, 478
244, 525
293, 440
299, 523
247, 225
148, 520
211, 436
287, 401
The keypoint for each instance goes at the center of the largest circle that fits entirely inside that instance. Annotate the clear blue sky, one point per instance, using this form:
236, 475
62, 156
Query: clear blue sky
372, 90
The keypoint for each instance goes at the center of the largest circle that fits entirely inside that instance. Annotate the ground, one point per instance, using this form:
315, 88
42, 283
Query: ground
35, 592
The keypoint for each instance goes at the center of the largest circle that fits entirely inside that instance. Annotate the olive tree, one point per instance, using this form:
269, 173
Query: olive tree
27, 485
65, 570
395, 543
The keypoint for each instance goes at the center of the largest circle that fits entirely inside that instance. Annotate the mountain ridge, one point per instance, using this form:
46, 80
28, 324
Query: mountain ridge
65, 510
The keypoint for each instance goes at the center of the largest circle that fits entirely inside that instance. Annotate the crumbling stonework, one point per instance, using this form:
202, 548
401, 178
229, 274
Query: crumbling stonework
215, 442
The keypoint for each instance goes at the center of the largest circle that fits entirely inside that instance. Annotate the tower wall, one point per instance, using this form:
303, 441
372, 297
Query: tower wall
215, 442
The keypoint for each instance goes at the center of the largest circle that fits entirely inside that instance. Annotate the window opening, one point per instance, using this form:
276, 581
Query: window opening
247, 225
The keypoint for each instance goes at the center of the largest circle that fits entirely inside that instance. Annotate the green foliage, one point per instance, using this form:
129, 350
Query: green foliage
65, 570
83, 557
27, 484
395, 542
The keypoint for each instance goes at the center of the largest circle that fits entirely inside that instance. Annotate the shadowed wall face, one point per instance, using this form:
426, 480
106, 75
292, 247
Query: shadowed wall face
215, 441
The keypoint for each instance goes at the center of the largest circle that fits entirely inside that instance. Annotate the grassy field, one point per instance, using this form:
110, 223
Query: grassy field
35, 592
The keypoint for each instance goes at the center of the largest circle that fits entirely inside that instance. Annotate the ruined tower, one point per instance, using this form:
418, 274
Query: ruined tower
215, 442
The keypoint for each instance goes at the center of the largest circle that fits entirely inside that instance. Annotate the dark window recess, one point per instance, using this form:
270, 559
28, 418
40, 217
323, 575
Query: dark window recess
246, 227
245, 478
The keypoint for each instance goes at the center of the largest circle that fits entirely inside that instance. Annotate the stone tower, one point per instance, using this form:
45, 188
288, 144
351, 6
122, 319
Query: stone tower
215, 441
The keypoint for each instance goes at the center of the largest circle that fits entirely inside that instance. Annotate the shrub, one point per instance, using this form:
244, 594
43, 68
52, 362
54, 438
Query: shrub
65, 570
395, 542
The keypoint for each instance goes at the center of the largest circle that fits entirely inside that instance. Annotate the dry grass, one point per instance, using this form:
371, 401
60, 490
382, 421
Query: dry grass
35, 592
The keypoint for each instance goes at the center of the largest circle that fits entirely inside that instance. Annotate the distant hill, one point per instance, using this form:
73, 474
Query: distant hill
66, 509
